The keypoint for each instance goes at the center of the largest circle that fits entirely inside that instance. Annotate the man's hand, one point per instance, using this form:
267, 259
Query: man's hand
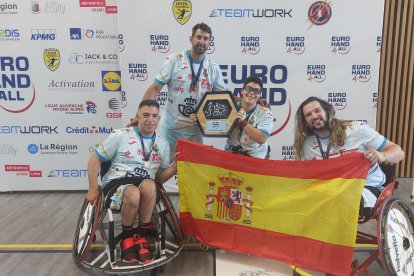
93, 195
375, 156
263, 103
193, 118
134, 122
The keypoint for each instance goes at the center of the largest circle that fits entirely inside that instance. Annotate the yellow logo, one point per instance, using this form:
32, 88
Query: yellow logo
111, 80
51, 57
182, 10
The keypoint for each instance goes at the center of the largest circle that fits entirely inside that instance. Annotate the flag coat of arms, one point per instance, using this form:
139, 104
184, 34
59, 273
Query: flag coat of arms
303, 213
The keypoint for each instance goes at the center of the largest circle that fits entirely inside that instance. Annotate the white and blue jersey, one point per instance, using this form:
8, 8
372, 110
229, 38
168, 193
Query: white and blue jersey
176, 74
359, 138
240, 142
124, 148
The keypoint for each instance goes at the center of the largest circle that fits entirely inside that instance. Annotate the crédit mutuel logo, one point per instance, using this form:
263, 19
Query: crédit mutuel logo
17, 93
182, 10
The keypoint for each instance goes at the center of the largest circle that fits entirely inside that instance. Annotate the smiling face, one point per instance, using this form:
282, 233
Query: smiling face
316, 118
148, 118
251, 93
199, 43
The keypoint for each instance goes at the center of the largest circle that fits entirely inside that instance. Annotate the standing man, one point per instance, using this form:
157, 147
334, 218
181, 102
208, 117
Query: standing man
319, 135
188, 75
249, 137
138, 156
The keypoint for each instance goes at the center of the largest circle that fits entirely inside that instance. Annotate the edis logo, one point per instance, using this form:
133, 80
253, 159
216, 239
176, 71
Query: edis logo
9, 35
182, 10
51, 58
160, 43
91, 107
250, 44
341, 44
288, 153
111, 80
295, 45
16, 92
379, 43
338, 100
361, 73
375, 99
211, 48
319, 13
316, 72
138, 71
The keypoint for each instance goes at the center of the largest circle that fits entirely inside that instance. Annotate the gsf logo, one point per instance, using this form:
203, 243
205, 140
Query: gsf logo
114, 115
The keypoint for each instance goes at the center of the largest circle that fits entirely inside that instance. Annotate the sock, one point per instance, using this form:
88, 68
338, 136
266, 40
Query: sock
145, 229
127, 231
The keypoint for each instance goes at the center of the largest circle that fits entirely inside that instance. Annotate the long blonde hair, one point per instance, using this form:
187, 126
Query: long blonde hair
337, 128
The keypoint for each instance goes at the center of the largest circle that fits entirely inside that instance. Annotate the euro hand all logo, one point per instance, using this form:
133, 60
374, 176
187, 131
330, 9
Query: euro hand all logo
230, 201
182, 10
111, 81
51, 58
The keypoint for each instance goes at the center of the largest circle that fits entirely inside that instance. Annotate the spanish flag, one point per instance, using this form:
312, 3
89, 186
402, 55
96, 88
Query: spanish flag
303, 213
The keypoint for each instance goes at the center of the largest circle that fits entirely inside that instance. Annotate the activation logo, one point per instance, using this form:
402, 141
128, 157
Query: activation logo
182, 10
51, 58
319, 13
250, 44
111, 81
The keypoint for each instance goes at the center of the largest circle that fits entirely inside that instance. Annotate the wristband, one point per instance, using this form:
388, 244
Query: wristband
243, 123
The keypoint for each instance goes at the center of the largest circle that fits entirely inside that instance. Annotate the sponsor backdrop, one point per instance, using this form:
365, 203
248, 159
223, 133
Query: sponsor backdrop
61, 64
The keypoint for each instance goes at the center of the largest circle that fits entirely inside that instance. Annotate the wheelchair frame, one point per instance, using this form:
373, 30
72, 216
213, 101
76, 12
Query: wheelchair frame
104, 257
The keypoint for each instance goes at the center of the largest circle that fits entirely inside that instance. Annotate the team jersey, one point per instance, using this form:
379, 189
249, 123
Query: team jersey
124, 148
240, 142
359, 138
176, 74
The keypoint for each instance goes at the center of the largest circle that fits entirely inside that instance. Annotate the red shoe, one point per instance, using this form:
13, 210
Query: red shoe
128, 250
143, 249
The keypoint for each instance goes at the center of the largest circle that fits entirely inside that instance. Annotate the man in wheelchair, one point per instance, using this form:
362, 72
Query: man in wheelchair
319, 135
138, 156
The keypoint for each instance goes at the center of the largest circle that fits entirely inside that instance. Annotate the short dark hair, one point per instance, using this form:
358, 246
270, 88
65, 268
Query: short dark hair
254, 79
148, 103
202, 26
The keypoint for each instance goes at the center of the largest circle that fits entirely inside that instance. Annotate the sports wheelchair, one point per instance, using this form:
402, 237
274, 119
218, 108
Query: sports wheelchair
102, 254
394, 242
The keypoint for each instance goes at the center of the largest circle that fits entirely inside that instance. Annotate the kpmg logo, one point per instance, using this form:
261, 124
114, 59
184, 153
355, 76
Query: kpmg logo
379, 43
91, 107
67, 108
160, 43
22, 170
73, 173
43, 34
316, 72
250, 44
8, 9
251, 13
361, 72
295, 45
182, 10
48, 7
52, 148
138, 71
338, 100
288, 153
9, 35
319, 13
7, 149
71, 85
340, 44
89, 130
75, 33
28, 130
111, 81
375, 99
16, 91
211, 47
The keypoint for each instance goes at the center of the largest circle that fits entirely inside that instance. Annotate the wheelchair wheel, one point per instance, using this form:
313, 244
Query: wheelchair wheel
396, 237
85, 229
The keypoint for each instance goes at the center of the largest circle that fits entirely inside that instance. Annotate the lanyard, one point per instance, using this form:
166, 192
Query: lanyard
194, 78
147, 154
325, 154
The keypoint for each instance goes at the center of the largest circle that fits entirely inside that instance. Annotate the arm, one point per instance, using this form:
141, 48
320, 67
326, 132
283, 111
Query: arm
391, 153
254, 133
153, 91
165, 174
94, 165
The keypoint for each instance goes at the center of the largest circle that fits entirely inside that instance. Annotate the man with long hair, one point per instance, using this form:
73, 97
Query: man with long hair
319, 135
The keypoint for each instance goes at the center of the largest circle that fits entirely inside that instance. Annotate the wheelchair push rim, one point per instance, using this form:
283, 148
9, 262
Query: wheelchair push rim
396, 234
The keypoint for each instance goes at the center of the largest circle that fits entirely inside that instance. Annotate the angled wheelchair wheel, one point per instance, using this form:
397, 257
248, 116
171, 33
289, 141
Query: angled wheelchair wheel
85, 229
396, 237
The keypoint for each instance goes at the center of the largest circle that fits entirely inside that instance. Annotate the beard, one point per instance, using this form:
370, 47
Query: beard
199, 50
322, 126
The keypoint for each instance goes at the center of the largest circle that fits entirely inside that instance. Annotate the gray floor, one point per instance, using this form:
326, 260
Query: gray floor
32, 220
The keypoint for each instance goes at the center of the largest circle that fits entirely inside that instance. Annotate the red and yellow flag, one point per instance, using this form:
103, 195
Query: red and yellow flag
300, 212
